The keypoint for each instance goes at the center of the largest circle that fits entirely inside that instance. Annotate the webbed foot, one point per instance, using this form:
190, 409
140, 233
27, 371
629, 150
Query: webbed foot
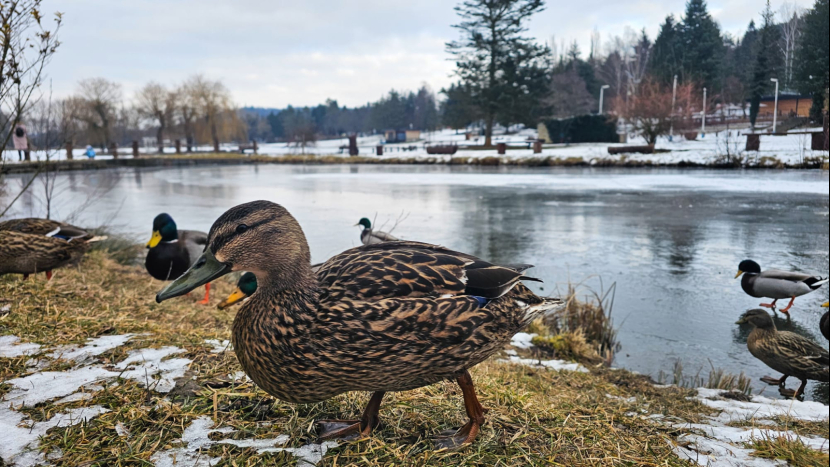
773, 381
345, 430
452, 439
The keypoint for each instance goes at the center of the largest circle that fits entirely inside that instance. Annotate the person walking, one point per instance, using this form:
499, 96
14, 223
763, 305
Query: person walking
90, 152
20, 140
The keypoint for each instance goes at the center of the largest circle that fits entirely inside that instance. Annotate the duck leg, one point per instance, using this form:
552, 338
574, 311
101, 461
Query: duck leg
205, 300
769, 305
786, 310
775, 382
352, 429
467, 433
48, 275
790, 394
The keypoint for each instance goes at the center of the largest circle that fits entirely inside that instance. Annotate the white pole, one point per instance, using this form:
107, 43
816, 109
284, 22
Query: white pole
775, 110
703, 120
673, 100
601, 95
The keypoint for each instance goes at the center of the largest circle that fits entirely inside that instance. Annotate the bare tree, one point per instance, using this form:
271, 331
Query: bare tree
186, 111
790, 16
217, 117
650, 110
155, 102
101, 99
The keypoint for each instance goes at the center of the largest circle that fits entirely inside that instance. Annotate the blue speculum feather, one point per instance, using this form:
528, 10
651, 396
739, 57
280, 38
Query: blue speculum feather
482, 302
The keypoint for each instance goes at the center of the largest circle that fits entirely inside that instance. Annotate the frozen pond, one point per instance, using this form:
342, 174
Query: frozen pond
671, 240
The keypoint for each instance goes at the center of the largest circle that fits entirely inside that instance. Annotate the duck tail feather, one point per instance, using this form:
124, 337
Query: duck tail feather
532, 279
820, 282
97, 238
546, 307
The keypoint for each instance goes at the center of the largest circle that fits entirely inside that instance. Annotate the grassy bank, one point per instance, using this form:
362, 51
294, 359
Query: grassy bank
536, 416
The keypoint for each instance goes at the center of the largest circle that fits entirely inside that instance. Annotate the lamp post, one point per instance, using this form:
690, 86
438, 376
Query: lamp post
703, 115
775, 110
601, 96
671, 115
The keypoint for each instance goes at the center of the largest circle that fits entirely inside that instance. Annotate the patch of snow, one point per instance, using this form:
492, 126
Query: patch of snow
557, 365
93, 348
142, 365
10, 348
511, 352
522, 340
78, 396
196, 437
761, 407
121, 430
629, 400
709, 452
219, 346
41, 387
18, 442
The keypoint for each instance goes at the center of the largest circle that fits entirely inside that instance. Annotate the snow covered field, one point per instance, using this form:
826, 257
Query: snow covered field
713, 148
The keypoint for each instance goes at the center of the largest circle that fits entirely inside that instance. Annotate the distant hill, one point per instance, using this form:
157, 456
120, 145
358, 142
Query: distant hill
262, 111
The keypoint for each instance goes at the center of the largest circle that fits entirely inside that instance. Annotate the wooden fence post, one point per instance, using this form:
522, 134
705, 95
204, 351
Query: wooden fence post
379, 150
178, 146
537, 147
502, 148
114, 150
753, 142
69, 149
215, 145
135, 150
353, 151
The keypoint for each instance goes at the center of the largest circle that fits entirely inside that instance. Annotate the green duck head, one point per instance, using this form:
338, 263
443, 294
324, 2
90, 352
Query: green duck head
758, 318
748, 266
260, 237
164, 230
244, 288
365, 223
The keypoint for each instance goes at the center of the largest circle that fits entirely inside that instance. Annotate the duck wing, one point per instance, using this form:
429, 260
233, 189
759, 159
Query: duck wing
412, 269
802, 354
780, 286
384, 237
24, 253
194, 242
46, 227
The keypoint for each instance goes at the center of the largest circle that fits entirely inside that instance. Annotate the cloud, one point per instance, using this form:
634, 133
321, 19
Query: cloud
278, 52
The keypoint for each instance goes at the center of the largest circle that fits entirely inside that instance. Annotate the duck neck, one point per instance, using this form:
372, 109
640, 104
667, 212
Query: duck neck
287, 300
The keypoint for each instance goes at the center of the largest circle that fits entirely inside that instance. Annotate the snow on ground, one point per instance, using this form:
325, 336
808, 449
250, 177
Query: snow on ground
11, 348
522, 340
708, 149
715, 444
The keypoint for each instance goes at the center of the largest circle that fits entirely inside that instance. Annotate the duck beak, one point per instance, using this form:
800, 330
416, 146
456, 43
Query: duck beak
204, 270
232, 299
826, 305
738, 274
154, 240
741, 321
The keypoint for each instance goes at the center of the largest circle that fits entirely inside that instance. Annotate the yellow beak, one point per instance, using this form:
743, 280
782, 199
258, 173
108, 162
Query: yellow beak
738, 274
826, 305
232, 299
154, 240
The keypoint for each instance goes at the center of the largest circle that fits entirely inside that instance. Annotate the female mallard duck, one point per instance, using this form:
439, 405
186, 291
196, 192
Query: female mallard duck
825, 322
29, 246
370, 237
774, 284
392, 316
785, 352
173, 251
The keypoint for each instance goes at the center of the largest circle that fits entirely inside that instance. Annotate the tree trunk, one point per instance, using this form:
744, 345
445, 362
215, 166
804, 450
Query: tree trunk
488, 131
160, 139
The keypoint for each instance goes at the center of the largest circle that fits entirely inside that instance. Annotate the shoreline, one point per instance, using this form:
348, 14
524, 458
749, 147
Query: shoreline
542, 161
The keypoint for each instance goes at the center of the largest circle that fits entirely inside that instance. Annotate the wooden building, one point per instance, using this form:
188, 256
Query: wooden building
789, 105
402, 136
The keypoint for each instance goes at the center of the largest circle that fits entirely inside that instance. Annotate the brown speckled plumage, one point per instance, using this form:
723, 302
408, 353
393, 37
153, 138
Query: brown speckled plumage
29, 246
386, 317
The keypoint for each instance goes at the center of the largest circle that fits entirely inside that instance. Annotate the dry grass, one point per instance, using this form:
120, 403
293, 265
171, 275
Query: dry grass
536, 416
789, 449
717, 379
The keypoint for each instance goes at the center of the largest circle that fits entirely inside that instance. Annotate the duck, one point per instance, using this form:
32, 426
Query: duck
785, 352
246, 286
33, 245
173, 251
776, 284
825, 322
370, 237
383, 317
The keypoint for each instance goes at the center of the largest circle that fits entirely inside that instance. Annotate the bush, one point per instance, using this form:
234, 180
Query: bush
583, 129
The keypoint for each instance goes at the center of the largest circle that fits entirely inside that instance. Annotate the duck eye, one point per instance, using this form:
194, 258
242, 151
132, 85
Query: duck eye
241, 228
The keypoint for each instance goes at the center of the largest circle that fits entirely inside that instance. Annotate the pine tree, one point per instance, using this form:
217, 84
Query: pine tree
701, 45
811, 62
505, 73
764, 67
665, 62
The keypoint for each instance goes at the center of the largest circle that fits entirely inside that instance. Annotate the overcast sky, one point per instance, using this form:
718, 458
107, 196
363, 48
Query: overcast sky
272, 53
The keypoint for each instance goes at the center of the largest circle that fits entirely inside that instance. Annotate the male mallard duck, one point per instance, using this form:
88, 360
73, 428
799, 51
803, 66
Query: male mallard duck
245, 287
775, 284
785, 352
29, 246
825, 322
173, 251
370, 237
391, 316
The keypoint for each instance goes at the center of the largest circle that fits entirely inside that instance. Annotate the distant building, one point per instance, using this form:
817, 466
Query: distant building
402, 136
789, 105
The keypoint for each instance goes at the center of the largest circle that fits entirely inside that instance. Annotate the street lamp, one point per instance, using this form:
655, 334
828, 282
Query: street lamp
671, 115
601, 95
703, 115
775, 110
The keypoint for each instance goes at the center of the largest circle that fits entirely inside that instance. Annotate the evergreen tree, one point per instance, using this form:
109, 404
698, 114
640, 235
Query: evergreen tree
764, 67
457, 109
665, 61
701, 45
505, 72
811, 63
